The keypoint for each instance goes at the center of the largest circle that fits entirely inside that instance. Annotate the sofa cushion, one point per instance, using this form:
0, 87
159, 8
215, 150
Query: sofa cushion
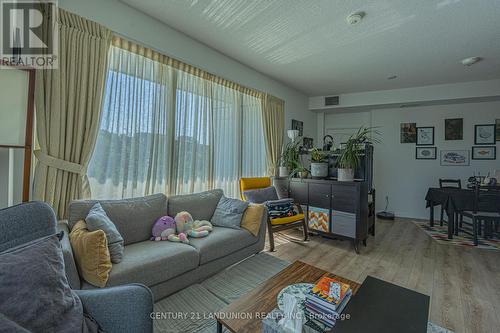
34, 291
252, 218
91, 253
201, 205
99, 220
261, 195
229, 213
132, 217
222, 242
152, 262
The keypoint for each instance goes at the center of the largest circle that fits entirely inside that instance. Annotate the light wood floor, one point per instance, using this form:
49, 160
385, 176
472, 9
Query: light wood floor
463, 283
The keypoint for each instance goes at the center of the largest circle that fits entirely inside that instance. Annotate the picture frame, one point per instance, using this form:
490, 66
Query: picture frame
484, 152
425, 136
484, 134
408, 132
454, 129
299, 126
425, 153
307, 143
497, 122
454, 158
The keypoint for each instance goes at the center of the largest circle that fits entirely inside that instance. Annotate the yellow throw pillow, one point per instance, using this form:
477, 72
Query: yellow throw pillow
91, 254
252, 218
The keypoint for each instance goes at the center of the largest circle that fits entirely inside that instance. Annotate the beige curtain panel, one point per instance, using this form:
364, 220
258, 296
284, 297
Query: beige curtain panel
68, 106
273, 121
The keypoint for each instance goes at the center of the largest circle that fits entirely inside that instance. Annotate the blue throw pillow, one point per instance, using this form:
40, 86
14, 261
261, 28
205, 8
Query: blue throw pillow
261, 195
280, 208
229, 213
97, 219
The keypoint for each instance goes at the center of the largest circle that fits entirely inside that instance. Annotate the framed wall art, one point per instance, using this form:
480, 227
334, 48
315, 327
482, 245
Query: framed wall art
484, 153
454, 129
455, 157
308, 143
408, 133
425, 153
425, 136
484, 134
299, 126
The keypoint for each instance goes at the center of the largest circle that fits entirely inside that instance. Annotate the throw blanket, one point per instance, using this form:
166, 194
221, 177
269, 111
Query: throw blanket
280, 208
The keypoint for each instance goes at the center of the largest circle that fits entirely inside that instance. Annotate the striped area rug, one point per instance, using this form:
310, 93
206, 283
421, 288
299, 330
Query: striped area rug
440, 234
192, 309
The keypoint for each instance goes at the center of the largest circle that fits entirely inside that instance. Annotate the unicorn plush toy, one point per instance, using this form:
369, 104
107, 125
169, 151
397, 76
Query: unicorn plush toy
186, 226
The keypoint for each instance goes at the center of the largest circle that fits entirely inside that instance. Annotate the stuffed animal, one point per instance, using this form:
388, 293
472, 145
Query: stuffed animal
192, 228
162, 228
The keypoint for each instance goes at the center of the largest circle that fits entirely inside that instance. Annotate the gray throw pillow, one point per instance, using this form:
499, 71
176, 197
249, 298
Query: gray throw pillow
261, 195
229, 213
97, 219
34, 290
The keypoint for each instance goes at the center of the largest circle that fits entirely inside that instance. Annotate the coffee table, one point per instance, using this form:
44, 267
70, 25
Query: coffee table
376, 305
381, 306
246, 313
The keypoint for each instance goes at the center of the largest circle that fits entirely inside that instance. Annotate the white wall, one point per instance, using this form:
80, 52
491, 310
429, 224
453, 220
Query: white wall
397, 173
150, 32
4, 176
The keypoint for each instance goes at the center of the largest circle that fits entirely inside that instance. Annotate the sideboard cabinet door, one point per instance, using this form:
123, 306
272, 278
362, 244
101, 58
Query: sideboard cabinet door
320, 195
299, 192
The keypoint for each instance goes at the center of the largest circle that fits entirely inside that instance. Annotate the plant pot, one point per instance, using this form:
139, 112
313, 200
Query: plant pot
319, 170
345, 175
303, 174
283, 172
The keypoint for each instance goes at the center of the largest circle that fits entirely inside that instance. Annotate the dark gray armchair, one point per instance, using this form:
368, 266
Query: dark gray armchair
118, 309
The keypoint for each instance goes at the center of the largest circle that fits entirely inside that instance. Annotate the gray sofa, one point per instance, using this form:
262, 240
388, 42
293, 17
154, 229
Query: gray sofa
165, 267
118, 309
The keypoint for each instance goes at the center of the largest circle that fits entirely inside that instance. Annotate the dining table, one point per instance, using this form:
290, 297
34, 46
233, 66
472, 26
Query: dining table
454, 200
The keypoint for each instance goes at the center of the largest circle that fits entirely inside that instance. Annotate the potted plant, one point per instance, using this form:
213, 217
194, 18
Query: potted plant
290, 159
349, 158
319, 165
300, 171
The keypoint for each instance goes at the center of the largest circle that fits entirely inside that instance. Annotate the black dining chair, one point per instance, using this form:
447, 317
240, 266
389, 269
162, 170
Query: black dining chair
448, 183
483, 212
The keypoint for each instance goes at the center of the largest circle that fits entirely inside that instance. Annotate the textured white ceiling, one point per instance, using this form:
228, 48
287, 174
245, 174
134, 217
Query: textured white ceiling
307, 44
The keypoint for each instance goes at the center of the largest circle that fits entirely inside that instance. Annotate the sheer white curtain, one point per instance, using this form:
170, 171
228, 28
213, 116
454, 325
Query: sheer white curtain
167, 130
191, 163
132, 150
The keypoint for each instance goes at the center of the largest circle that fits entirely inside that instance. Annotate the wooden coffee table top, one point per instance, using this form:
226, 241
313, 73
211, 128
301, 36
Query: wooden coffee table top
246, 313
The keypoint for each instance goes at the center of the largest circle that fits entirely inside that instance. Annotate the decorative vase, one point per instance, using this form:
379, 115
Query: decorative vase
303, 174
283, 171
345, 175
319, 170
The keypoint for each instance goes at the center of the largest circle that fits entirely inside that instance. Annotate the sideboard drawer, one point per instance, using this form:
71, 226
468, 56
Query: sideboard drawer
343, 223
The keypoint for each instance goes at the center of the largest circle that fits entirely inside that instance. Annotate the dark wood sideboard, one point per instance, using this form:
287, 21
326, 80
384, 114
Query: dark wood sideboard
344, 206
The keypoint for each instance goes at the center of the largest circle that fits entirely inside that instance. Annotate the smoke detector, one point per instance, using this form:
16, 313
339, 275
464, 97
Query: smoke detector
470, 61
355, 18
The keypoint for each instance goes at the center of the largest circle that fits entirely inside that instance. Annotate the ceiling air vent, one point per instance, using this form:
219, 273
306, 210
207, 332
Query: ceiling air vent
331, 100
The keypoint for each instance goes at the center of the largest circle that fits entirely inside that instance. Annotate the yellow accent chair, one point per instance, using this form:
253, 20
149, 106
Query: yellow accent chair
276, 224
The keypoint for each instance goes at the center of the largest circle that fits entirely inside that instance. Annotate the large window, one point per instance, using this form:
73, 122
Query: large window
167, 130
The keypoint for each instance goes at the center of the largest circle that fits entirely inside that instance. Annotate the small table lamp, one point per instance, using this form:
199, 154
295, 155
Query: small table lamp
293, 134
